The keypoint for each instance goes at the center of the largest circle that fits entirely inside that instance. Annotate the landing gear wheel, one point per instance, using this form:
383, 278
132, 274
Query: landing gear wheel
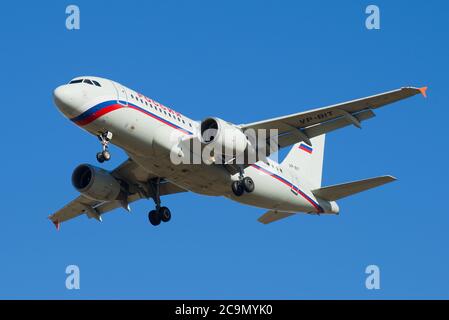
154, 217
237, 188
161, 214
248, 184
165, 214
100, 157
104, 138
106, 155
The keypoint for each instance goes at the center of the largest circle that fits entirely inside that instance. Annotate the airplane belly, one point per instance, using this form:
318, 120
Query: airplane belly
274, 192
205, 179
199, 178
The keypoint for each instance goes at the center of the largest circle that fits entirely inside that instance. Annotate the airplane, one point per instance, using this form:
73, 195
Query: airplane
144, 129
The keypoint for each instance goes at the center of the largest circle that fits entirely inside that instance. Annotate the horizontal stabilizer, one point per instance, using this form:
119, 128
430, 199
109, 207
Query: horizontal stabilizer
339, 191
273, 215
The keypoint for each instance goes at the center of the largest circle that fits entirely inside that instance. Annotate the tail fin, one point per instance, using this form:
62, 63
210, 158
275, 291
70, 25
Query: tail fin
308, 159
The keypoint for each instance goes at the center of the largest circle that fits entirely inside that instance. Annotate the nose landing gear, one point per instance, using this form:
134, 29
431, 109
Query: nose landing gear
104, 155
160, 214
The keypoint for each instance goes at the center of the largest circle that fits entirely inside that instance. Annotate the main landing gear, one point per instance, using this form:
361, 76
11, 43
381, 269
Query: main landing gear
156, 216
160, 214
244, 184
104, 138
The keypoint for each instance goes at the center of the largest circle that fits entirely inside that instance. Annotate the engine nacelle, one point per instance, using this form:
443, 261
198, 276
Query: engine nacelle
223, 136
95, 183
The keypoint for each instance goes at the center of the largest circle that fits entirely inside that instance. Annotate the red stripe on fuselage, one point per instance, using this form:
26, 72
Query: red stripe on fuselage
290, 185
94, 116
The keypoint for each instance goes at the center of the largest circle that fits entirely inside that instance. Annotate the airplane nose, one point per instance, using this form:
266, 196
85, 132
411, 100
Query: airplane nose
66, 99
62, 96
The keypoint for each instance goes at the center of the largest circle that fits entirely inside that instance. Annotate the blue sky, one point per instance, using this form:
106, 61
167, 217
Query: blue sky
242, 61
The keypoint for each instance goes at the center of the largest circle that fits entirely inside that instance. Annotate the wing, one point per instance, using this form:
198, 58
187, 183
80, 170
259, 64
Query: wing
305, 125
137, 184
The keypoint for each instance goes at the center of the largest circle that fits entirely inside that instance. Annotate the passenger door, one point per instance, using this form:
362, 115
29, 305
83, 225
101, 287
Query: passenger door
122, 97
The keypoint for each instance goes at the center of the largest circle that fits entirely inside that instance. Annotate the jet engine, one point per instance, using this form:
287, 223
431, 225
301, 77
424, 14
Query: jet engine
223, 136
95, 183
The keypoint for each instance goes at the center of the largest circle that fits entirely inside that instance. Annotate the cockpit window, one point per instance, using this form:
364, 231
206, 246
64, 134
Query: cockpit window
91, 82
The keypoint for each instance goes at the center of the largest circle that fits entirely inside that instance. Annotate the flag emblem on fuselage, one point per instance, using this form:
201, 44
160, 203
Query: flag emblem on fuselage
305, 148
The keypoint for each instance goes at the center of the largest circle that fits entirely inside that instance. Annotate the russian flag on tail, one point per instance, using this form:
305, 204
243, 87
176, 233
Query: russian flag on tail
305, 148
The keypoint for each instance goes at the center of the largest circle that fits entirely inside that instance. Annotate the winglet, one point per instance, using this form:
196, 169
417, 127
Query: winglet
55, 222
423, 91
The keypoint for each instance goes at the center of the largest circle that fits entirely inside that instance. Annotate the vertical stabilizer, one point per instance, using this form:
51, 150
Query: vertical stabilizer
308, 159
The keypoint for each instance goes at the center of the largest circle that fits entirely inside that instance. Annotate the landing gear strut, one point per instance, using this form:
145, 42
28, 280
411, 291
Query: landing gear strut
244, 184
104, 138
160, 214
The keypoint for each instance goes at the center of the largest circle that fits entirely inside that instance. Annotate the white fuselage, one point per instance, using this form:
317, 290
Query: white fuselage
147, 131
